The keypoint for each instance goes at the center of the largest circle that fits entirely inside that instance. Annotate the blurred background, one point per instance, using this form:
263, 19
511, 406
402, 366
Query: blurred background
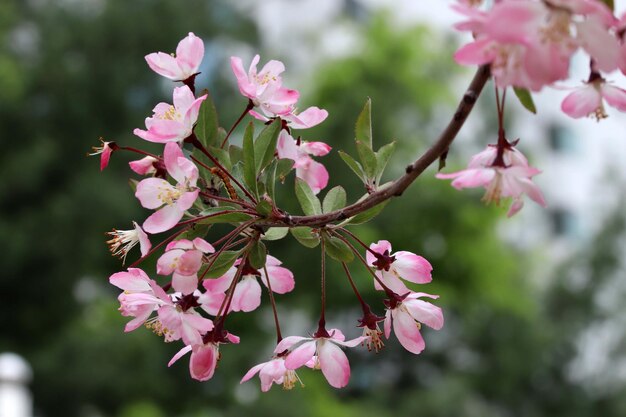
534, 305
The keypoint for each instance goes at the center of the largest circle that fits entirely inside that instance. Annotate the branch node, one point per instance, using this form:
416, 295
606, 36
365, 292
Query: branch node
409, 168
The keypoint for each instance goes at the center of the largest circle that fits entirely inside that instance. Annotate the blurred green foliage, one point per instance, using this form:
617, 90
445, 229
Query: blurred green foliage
72, 71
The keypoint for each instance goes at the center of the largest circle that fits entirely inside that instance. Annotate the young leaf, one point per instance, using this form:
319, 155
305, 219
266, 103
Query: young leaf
363, 128
353, 165
257, 255
249, 171
337, 249
308, 201
382, 158
368, 159
367, 214
207, 124
224, 261
524, 97
265, 145
334, 200
305, 236
275, 233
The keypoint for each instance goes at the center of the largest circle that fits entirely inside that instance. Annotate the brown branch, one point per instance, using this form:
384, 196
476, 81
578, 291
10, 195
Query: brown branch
412, 171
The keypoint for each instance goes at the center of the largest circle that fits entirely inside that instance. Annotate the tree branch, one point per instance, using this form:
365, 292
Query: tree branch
412, 171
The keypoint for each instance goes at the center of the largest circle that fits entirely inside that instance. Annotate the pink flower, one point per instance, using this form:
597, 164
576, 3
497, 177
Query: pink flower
173, 123
184, 64
265, 87
183, 259
104, 151
144, 166
513, 180
247, 294
124, 240
304, 120
324, 352
140, 298
391, 267
307, 169
587, 100
180, 321
406, 316
156, 192
273, 372
204, 357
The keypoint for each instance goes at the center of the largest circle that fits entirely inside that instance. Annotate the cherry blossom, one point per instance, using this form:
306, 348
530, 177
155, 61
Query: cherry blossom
173, 123
140, 298
105, 151
512, 178
247, 293
273, 372
404, 313
264, 88
391, 268
173, 200
177, 319
181, 66
588, 100
325, 353
307, 169
204, 355
183, 259
123, 241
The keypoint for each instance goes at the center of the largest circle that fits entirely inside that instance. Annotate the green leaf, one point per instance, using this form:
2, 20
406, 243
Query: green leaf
363, 128
368, 159
382, 158
283, 168
526, 99
264, 208
236, 154
334, 200
224, 261
221, 156
219, 215
265, 145
197, 230
338, 249
308, 201
249, 171
270, 178
207, 124
367, 214
275, 233
353, 165
257, 255
133, 184
305, 236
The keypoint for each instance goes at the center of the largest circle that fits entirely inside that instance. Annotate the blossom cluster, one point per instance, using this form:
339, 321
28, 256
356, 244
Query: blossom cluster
204, 279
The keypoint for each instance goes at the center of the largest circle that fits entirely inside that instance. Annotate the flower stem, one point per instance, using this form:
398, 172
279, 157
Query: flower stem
249, 107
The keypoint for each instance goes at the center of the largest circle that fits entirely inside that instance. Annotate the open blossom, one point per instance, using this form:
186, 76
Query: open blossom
513, 180
247, 294
123, 241
140, 298
391, 268
321, 352
273, 372
309, 117
173, 200
204, 357
181, 66
588, 100
178, 320
144, 166
183, 259
307, 169
406, 316
264, 88
173, 123
529, 43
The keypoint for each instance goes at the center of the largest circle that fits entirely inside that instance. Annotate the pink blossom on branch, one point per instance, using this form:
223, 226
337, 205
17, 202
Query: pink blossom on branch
271, 372
173, 123
183, 259
122, 241
171, 201
307, 169
512, 180
184, 64
144, 166
588, 100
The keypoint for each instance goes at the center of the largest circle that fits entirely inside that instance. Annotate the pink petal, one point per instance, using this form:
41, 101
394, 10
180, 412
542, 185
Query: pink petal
203, 362
307, 118
315, 148
186, 200
582, 102
379, 247
300, 355
135, 280
179, 355
143, 166
407, 332
247, 295
425, 312
599, 43
616, 97
286, 146
412, 267
334, 364
185, 284
171, 155
168, 262
163, 64
149, 191
281, 279
478, 52
288, 342
387, 324
163, 219
183, 98
246, 87
191, 115
315, 175
203, 246
252, 372
189, 54
189, 263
